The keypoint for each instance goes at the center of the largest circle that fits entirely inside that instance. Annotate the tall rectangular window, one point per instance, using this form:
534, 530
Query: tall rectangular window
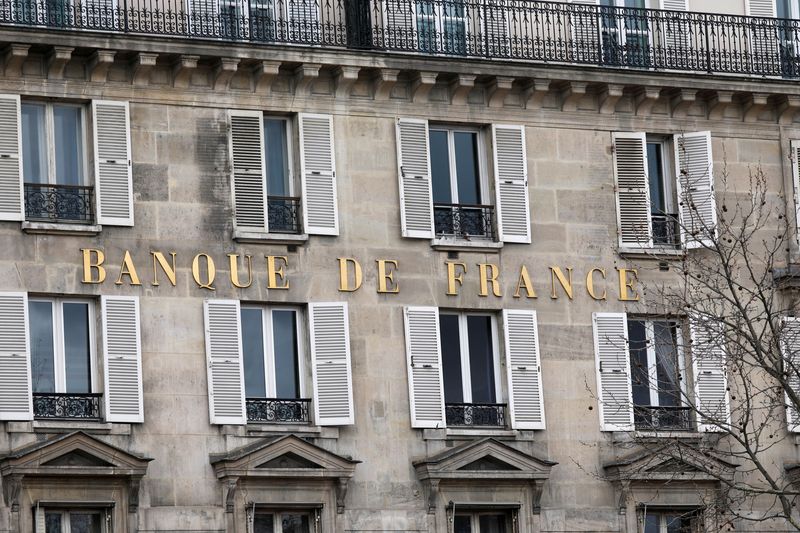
75, 521
272, 363
663, 202
482, 522
282, 205
54, 144
672, 521
284, 522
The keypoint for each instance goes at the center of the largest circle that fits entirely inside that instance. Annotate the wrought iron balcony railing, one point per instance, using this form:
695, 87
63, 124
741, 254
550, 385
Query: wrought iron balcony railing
53, 405
551, 32
666, 230
59, 203
283, 214
464, 221
658, 418
475, 414
274, 410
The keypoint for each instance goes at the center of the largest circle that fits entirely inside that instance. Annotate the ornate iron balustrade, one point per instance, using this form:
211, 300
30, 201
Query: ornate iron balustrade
59, 203
53, 405
275, 410
666, 230
464, 220
283, 214
475, 414
531, 31
657, 418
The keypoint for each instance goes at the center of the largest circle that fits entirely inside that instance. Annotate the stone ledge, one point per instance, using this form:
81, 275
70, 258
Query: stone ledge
69, 426
461, 245
266, 430
55, 228
253, 237
655, 253
473, 433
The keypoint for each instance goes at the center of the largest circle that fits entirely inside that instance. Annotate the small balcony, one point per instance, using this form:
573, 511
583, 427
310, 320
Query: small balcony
59, 203
658, 418
464, 221
66, 406
278, 411
666, 230
283, 214
475, 414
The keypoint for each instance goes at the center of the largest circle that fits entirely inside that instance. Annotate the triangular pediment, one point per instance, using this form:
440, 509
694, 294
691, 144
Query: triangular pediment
287, 456
670, 462
488, 462
77, 458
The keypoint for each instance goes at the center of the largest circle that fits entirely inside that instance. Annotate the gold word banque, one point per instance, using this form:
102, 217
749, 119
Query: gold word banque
351, 275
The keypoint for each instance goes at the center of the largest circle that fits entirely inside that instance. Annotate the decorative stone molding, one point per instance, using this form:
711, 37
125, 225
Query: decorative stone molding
645, 99
12, 485
57, 60
497, 89
264, 73
13, 59
609, 97
231, 484
98, 65
421, 85
681, 101
141, 66
345, 76
341, 493
535, 92
460, 87
718, 104
432, 488
573, 92
753, 106
224, 70
182, 71
788, 106
383, 82
304, 77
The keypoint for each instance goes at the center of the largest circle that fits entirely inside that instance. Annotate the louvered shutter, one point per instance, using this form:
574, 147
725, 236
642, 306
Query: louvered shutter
122, 356
795, 157
11, 202
763, 37
675, 5
224, 359
330, 363
790, 350
633, 190
675, 29
16, 402
710, 377
613, 371
39, 524
423, 352
416, 188
112, 163
495, 27
524, 369
399, 20
318, 174
695, 185
204, 17
760, 8
303, 18
249, 180
511, 183
584, 26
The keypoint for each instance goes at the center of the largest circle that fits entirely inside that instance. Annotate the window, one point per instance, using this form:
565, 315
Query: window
663, 209
285, 522
273, 365
470, 370
788, 9
76, 521
672, 521
63, 359
442, 28
282, 204
482, 522
625, 33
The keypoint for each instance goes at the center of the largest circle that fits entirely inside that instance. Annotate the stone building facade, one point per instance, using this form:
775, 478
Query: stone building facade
325, 266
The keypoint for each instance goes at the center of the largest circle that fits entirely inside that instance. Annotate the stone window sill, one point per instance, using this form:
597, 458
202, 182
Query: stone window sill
68, 426
266, 430
463, 245
57, 228
456, 433
658, 253
626, 436
254, 237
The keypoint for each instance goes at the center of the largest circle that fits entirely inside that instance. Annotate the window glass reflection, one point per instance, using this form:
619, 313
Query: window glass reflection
42, 347
34, 144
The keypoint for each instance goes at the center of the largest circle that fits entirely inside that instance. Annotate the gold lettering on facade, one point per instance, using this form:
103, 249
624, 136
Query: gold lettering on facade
488, 273
453, 278
524, 282
564, 281
590, 283
626, 284
234, 264
211, 272
274, 271
88, 265
128, 269
386, 282
344, 278
160, 260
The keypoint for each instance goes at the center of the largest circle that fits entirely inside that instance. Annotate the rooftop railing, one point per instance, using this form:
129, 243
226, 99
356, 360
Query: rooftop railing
530, 31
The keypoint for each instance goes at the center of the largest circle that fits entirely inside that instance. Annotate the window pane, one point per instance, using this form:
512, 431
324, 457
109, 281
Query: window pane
640, 380
462, 524
469, 187
84, 522
440, 167
263, 523
294, 523
287, 371
52, 522
494, 523
651, 523
668, 370
481, 359
253, 353
43, 374
68, 134
635, 3
34, 144
451, 358
77, 360
655, 170
277, 153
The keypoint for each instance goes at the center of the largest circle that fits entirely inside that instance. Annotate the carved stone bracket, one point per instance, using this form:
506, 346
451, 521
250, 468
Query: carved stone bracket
142, 64
346, 76
537, 488
134, 485
787, 109
609, 98
646, 98
718, 104
460, 87
433, 494
497, 89
224, 71
98, 65
231, 485
13, 58
624, 488
264, 75
535, 92
304, 76
57, 60
681, 101
182, 71
12, 486
421, 85
573, 94
384, 81
754, 106
341, 493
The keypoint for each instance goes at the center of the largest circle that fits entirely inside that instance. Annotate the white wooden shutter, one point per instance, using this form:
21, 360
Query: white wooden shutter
613, 371
224, 359
633, 190
303, 16
39, 524
112, 163
760, 8
763, 38
674, 5
495, 27
511, 183
697, 207
710, 376
122, 356
399, 23
795, 157
330, 363
11, 195
675, 29
318, 174
790, 348
416, 188
16, 402
204, 17
424, 355
249, 178
584, 27
524, 369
